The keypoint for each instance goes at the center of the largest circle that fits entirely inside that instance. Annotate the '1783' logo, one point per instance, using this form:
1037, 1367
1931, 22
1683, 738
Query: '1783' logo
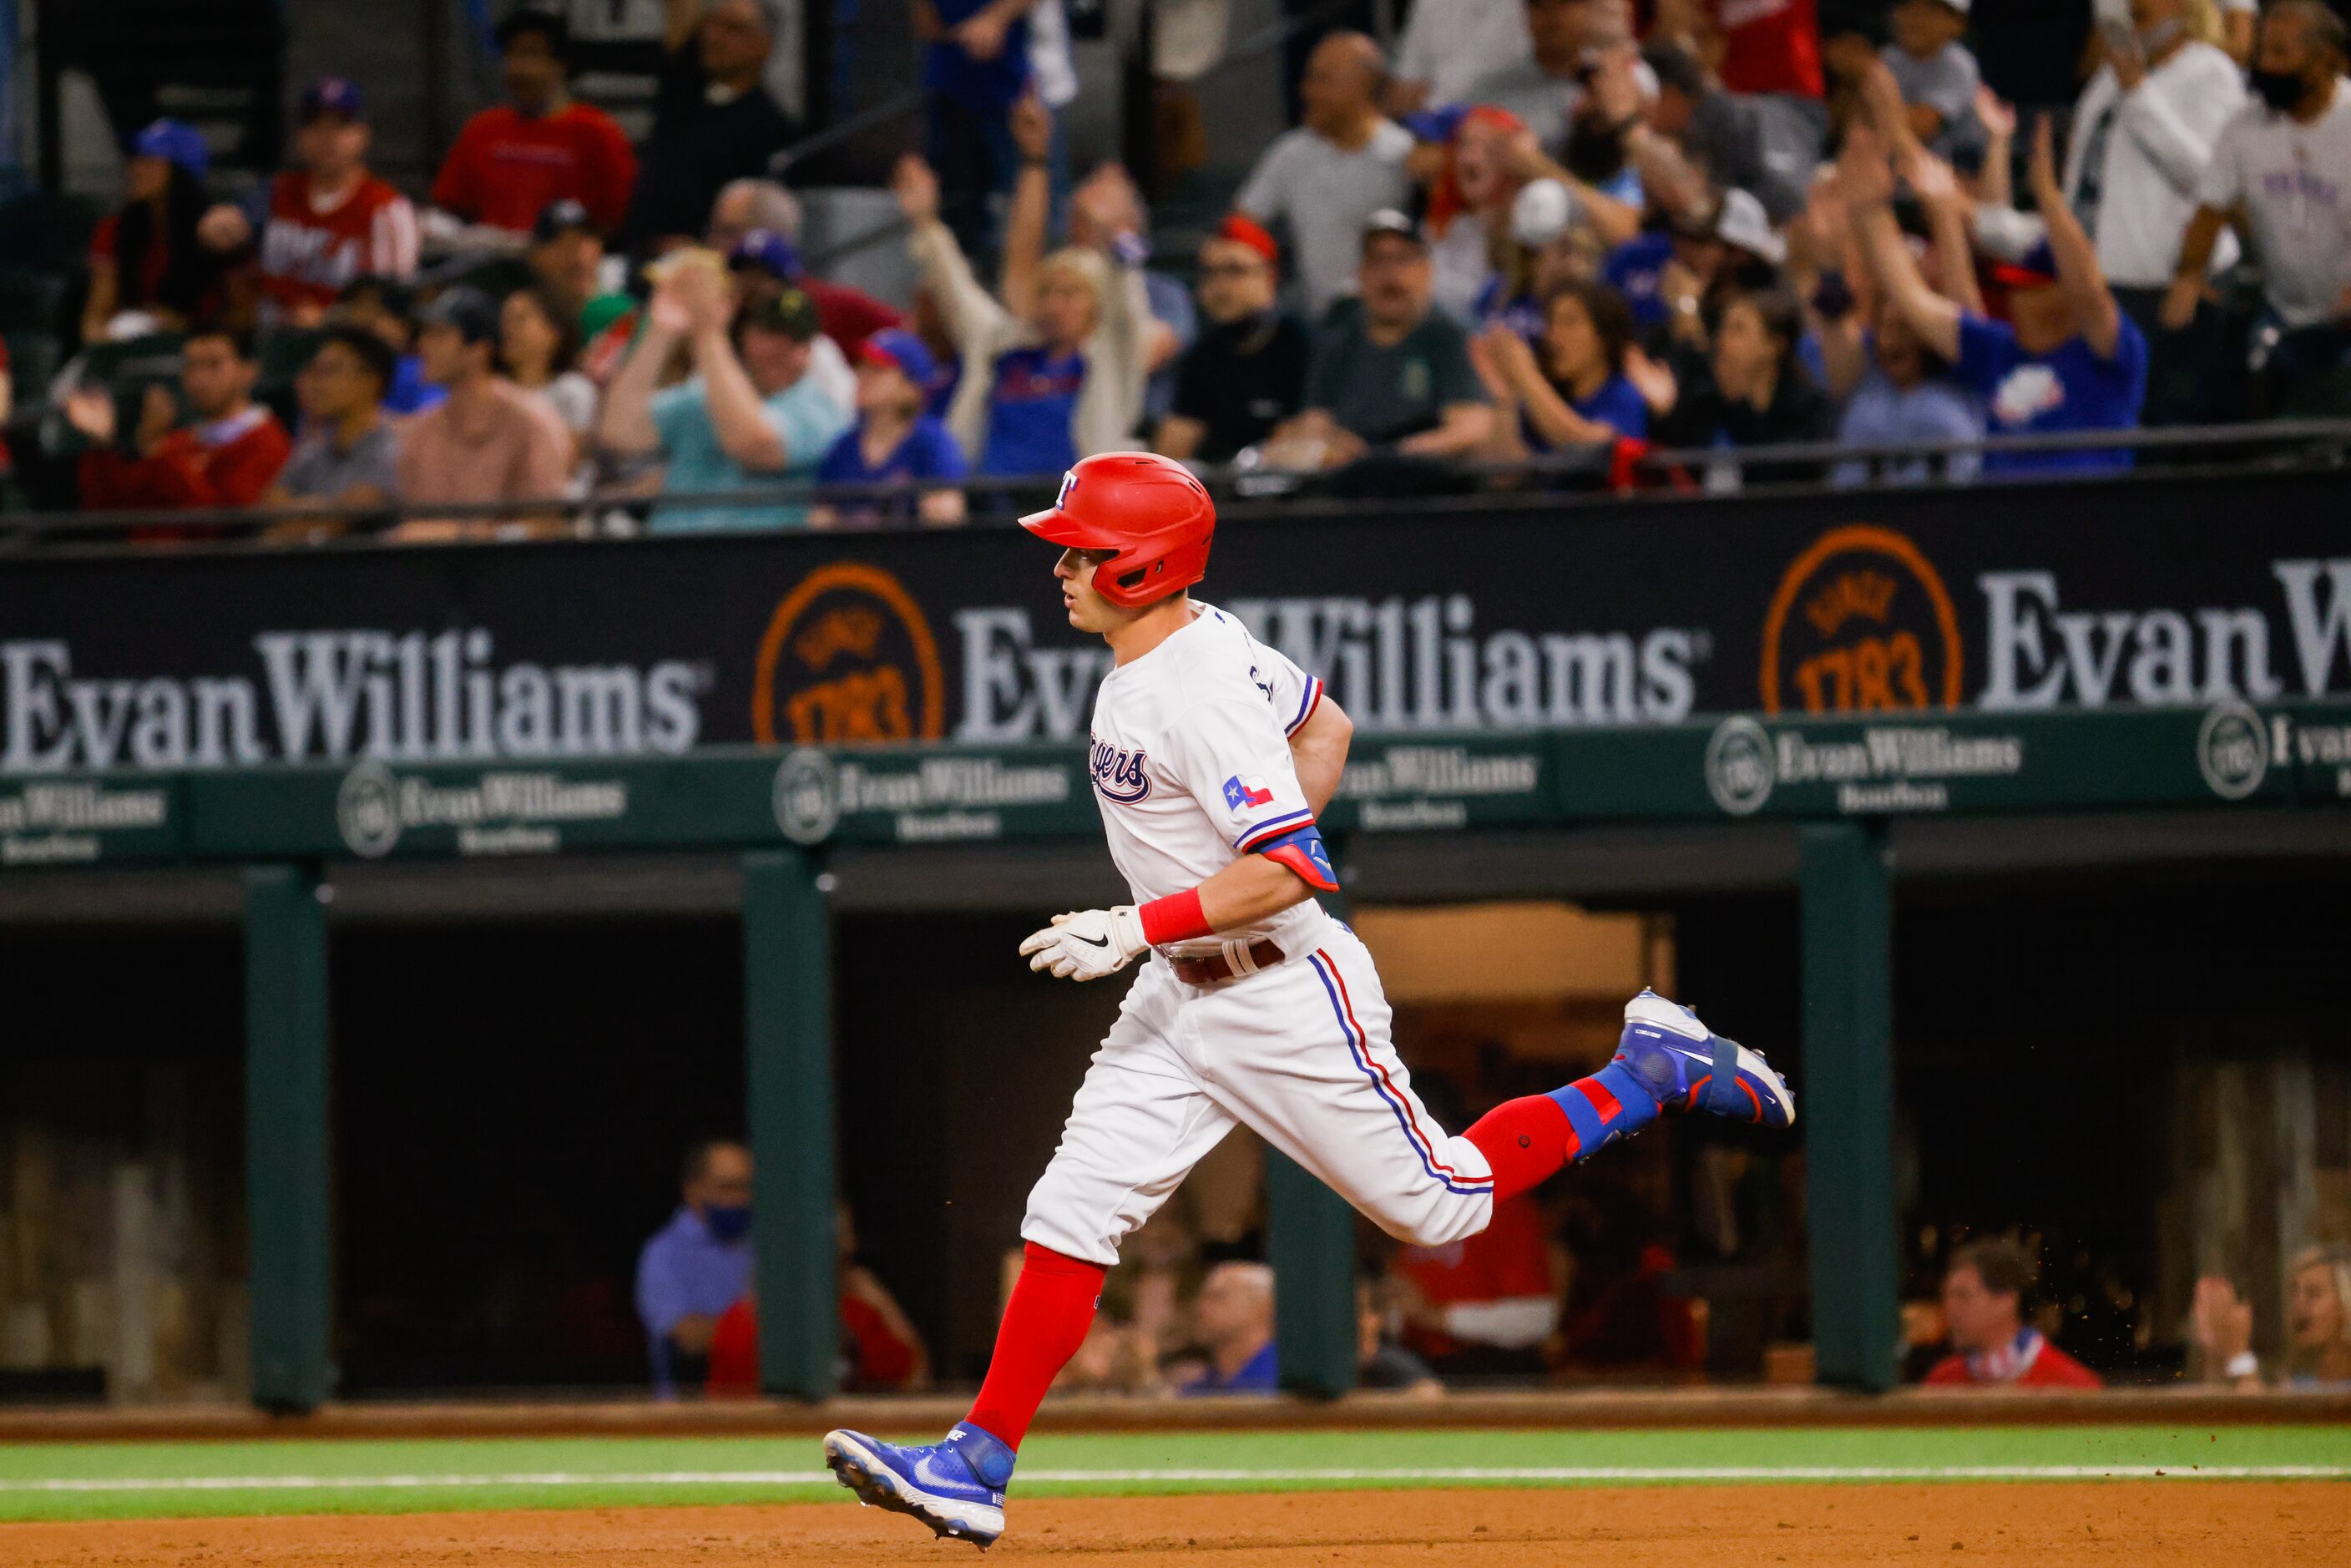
848, 658
1861, 623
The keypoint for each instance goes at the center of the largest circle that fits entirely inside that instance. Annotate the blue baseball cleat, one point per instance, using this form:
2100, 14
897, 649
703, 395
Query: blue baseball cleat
955, 1486
1687, 1067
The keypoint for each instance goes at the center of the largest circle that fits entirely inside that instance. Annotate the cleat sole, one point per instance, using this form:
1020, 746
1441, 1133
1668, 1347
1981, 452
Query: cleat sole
875, 1488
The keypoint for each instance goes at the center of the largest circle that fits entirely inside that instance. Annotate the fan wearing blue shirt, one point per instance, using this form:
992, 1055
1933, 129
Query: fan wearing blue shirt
2067, 359
697, 1265
894, 442
974, 66
1234, 1320
1569, 387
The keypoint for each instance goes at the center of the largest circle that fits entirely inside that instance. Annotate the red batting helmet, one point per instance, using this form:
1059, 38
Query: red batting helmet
1147, 509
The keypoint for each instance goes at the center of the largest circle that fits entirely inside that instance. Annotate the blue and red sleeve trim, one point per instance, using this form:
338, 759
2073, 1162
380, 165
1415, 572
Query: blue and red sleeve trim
1306, 706
1303, 851
1257, 836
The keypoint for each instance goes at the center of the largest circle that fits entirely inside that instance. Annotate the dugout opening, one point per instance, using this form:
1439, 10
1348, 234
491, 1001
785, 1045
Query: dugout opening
122, 1236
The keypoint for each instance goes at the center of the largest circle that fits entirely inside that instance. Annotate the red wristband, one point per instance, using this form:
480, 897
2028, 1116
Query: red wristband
1175, 918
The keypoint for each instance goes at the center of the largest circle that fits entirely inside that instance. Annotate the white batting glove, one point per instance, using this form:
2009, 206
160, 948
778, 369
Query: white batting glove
1088, 944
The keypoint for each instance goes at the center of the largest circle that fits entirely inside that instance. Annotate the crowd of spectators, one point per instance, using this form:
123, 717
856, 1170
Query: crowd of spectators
1570, 231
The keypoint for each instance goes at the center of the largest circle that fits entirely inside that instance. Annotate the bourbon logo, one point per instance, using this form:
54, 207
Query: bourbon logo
1861, 623
848, 658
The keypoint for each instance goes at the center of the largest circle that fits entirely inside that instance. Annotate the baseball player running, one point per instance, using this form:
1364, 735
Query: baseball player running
1212, 755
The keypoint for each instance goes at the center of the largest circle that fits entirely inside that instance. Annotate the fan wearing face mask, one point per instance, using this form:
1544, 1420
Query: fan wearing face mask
697, 1265
2280, 178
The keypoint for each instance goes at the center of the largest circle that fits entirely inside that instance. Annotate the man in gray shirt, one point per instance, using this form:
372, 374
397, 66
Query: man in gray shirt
1544, 87
1326, 177
2282, 176
347, 455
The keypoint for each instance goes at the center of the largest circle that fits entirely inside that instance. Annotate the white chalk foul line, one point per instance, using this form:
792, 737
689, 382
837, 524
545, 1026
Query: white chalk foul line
1421, 1474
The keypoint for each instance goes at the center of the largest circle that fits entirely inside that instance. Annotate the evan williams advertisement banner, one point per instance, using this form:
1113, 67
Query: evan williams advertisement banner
2149, 591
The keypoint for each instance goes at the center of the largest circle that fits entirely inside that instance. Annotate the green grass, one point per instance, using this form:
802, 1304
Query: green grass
154, 1480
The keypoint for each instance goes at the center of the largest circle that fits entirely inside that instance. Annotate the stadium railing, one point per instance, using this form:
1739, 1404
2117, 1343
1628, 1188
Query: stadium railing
1564, 480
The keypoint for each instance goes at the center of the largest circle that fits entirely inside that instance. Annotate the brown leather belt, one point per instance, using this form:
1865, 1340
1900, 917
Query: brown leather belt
1208, 968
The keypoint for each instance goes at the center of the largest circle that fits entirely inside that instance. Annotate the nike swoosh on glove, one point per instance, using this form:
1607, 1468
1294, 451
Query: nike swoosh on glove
1088, 944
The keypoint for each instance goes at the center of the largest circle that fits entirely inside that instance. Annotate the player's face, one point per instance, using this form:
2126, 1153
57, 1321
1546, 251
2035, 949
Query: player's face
1088, 609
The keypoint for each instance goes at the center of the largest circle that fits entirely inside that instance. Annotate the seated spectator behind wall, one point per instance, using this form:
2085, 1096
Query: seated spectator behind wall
1569, 388
1934, 72
1391, 373
894, 441
1041, 390
538, 342
564, 257
330, 221
881, 1350
512, 159
349, 455
697, 1265
2278, 175
1380, 1362
1245, 372
487, 441
225, 457
714, 120
1896, 393
1487, 1306
164, 259
1324, 179
2066, 359
1691, 132
765, 264
750, 415
2317, 1327
1470, 202
849, 315
1751, 388
1107, 214
387, 308
1983, 1296
1233, 1321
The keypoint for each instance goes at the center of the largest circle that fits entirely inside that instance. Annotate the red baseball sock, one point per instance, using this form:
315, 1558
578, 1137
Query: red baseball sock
1052, 1306
1524, 1141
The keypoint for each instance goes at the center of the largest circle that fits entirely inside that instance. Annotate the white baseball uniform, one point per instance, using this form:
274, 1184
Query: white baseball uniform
1192, 769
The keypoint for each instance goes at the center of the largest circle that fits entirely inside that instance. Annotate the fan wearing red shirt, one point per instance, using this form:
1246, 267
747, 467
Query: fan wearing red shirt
227, 458
1487, 1304
1755, 46
510, 161
1983, 1306
331, 221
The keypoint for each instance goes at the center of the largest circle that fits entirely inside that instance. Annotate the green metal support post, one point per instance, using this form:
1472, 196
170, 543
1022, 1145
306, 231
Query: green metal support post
1311, 1242
286, 1174
1847, 1095
788, 1042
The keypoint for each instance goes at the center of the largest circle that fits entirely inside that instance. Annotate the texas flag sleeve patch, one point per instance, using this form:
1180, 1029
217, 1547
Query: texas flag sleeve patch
1247, 794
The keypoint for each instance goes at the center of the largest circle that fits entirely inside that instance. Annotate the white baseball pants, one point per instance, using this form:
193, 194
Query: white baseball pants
1300, 1054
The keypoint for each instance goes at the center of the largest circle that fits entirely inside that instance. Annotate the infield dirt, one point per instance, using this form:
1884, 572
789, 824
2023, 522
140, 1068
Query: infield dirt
2136, 1523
